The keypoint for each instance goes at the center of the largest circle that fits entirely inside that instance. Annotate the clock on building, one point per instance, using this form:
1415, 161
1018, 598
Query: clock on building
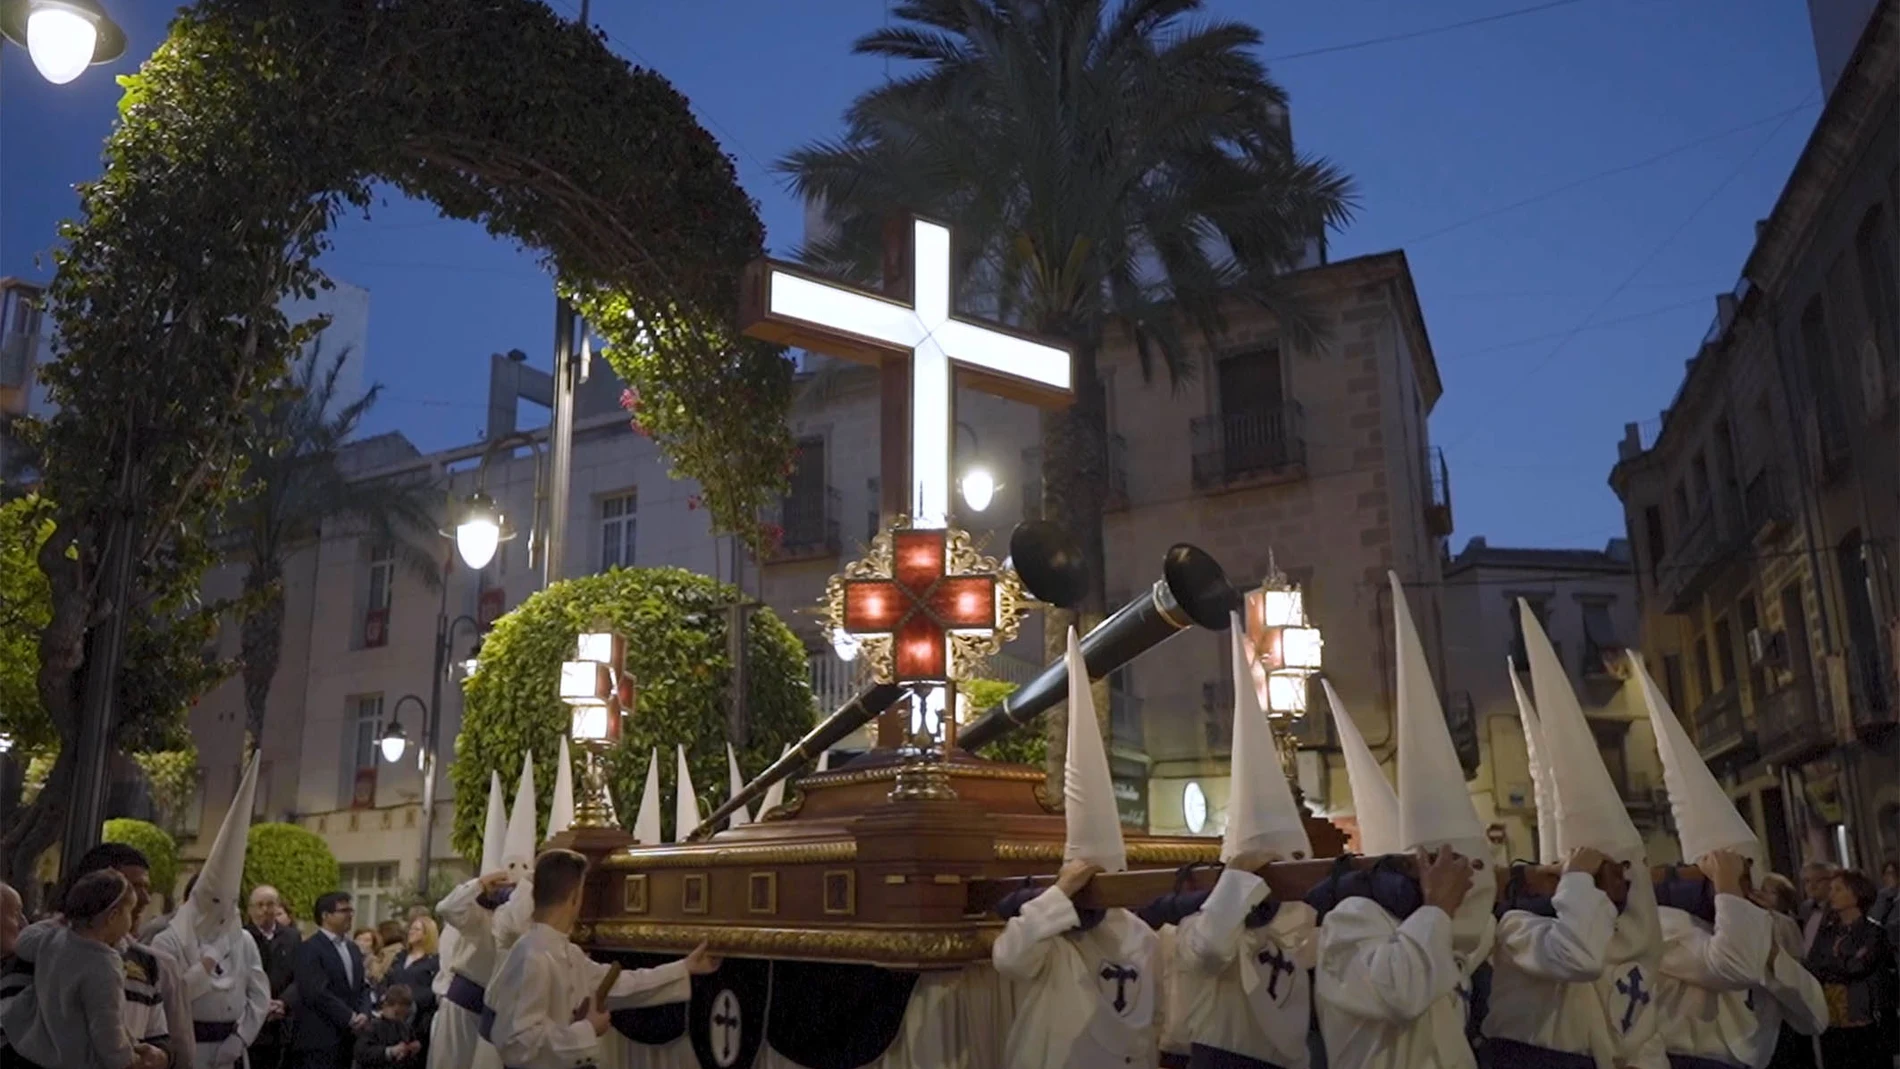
1194, 807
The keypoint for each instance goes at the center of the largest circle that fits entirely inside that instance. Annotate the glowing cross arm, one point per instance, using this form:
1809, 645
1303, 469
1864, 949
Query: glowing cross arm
837, 309
1005, 354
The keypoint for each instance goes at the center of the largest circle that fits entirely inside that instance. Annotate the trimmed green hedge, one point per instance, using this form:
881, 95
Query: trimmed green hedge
155, 843
675, 625
293, 859
1026, 745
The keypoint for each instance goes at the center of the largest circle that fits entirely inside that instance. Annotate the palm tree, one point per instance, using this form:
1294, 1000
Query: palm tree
297, 484
1102, 165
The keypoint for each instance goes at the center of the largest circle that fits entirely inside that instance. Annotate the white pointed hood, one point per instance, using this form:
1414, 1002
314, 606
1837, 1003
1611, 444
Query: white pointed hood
517, 845
824, 761
685, 802
1589, 811
211, 910
739, 815
1374, 803
1434, 804
1088, 792
1543, 789
561, 808
1706, 820
775, 794
1261, 813
646, 823
495, 829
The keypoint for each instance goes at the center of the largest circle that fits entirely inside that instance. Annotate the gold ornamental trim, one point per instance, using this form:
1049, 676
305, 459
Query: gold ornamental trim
955, 770
1147, 853
859, 944
786, 854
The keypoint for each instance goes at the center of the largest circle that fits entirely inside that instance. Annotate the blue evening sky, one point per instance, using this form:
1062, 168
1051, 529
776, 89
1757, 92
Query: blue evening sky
1554, 321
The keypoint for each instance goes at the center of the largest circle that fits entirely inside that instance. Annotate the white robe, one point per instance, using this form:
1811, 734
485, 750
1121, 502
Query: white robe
1709, 975
1545, 970
1246, 990
1391, 994
541, 982
455, 1040
1789, 993
237, 990
1086, 999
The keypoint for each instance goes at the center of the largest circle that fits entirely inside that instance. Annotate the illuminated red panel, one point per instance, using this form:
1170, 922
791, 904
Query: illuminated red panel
874, 605
919, 559
965, 602
921, 652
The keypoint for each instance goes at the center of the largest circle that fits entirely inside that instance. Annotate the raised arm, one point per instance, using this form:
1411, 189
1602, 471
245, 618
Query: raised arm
1024, 947
1208, 939
1568, 948
1733, 957
1372, 969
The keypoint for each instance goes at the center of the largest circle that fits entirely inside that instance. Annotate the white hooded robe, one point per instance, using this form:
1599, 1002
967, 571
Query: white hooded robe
1394, 994
455, 1040
1709, 976
1246, 990
1086, 1000
234, 991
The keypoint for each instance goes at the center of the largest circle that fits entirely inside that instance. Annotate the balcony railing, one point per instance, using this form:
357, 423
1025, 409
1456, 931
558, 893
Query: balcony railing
833, 681
1438, 509
809, 525
1248, 446
1710, 541
1719, 725
1765, 502
1788, 726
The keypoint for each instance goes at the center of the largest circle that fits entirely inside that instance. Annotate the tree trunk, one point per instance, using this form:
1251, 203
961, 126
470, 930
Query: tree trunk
1074, 484
261, 644
37, 827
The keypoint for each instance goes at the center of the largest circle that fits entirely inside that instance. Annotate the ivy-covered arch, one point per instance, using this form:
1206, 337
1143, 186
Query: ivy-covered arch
238, 143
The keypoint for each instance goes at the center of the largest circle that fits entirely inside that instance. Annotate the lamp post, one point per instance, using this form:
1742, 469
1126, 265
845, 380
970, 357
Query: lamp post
63, 37
480, 527
600, 690
1287, 654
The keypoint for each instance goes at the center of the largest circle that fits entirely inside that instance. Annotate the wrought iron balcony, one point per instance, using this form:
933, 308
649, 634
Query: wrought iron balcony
1719, 724
809, 526
1438, 508
1715, 535
1788, 726
1257, 445
1765, 502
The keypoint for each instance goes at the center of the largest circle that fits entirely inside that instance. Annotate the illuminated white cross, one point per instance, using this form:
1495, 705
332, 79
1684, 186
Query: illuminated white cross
847, 321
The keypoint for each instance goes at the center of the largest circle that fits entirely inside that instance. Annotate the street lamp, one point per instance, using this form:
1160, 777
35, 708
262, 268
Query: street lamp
1288, 651
598, 688
478, 533
480, 528
64, 37
978, 484
394, 741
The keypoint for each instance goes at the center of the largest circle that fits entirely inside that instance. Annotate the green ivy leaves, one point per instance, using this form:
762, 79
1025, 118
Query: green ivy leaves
675, 623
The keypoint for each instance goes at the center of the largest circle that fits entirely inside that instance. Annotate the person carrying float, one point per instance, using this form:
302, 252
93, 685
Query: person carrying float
469, 956
1086, 979
1242, 961
514, 917
223, 973
1575, 972
1725, 984
1393, 982
548, 1009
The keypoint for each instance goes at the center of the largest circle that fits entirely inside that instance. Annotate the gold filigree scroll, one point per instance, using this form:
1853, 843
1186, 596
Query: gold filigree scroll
969, 650
923, 947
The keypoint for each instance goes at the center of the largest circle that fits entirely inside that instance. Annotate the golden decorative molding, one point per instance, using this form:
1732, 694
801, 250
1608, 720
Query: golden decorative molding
953, 769
700, 857
874, 945
1138, 851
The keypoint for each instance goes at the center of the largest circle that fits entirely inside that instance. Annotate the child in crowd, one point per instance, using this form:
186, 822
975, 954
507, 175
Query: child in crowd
390, 1040
69, 1012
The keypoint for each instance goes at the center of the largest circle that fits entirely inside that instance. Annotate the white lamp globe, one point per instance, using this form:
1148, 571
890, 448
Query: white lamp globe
845, 645
61, 42
393, 743
979, 488
479, 533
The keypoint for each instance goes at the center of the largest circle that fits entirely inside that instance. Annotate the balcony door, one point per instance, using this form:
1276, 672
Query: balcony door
1252, 411
805, 500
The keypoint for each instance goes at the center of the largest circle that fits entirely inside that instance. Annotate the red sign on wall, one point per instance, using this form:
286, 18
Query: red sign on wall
489, 608
364, 794
376, 628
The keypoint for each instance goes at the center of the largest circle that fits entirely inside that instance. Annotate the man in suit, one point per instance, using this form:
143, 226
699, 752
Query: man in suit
277, 947
332, 994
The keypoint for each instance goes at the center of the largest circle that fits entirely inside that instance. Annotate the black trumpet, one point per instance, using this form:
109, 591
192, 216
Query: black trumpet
1192, 590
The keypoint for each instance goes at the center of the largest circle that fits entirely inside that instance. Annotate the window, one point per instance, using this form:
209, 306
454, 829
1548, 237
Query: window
1725, 651
1672, 681
1879, 288
803, 514
382, 583
1540, 608
373, 888
616, 531
1757, 673
363, 731
1254, 435
1600, 643
1609, 740
1704, 677
1817, 347
1656, 543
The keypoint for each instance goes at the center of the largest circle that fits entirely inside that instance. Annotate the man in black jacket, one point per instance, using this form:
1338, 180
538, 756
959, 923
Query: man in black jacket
277, 948
332, 993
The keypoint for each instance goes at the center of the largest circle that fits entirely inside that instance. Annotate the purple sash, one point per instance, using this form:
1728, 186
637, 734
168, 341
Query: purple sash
1202, 1056
467, 994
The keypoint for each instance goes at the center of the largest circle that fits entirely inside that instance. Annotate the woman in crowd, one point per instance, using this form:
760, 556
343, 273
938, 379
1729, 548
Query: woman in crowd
1851, 959
415, 967
70, 1014
1778, 895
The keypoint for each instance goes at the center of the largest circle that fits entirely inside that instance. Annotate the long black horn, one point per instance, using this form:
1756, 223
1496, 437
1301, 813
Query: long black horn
1192, 590
865, 706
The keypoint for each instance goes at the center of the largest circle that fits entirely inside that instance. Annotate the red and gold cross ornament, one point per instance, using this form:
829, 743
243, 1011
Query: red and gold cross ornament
925, 605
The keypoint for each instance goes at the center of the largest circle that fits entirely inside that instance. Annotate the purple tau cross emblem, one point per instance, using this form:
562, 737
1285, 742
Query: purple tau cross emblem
1277, 963
1120, 976
1633, 990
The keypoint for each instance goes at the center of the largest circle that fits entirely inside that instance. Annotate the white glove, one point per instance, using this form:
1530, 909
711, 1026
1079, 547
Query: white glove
230, 1052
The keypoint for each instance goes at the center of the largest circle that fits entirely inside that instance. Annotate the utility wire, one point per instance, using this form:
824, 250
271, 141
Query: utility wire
1428, 31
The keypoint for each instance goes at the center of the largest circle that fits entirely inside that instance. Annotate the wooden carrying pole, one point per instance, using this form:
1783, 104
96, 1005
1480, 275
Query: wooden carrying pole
1288, 880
